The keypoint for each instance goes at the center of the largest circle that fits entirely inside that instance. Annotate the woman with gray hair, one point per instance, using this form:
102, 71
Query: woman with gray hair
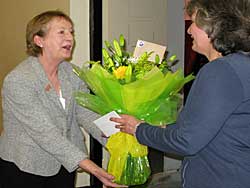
212, 131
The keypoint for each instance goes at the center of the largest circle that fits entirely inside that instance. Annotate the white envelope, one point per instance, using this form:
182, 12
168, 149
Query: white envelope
107, 126
144, 46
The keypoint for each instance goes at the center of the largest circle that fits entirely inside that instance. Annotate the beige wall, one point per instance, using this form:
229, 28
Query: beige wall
14, 15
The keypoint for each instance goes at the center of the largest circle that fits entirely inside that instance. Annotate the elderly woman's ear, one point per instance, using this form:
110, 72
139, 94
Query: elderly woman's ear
38, 41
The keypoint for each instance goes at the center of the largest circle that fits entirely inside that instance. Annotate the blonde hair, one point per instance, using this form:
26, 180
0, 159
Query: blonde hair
38, 26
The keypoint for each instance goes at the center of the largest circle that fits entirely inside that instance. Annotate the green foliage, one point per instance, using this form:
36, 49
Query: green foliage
115, 56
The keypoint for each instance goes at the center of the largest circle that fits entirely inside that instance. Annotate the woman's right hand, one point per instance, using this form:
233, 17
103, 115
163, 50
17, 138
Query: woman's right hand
126, 123
100, 173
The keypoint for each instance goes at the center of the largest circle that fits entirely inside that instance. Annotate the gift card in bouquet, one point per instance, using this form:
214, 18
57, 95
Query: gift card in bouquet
144, 46
107, 126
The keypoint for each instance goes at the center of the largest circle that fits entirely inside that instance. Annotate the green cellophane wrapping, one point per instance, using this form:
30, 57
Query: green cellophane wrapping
128, 159
154, 99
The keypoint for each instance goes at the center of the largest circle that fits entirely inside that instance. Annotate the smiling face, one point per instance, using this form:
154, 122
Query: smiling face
201, 42
58, 41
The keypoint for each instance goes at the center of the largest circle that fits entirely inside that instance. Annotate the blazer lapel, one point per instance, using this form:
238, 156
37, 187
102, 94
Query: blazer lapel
66, 87
45, 86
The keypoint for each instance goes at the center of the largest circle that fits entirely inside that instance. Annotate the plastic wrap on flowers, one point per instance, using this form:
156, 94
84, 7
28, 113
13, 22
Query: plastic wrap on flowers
136, 86
154, 98
129, 163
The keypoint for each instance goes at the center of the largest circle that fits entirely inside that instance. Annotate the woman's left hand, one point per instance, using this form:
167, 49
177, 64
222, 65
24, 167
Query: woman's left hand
101, 174
126, 123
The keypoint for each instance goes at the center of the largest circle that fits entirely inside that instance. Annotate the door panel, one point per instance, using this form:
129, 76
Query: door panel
135, 19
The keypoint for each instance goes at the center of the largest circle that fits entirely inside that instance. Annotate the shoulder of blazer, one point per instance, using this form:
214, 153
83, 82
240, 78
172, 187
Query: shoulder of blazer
67, 69
23, 71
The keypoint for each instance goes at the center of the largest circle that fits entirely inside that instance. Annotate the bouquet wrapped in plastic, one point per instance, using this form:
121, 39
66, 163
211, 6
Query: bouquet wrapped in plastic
136, 86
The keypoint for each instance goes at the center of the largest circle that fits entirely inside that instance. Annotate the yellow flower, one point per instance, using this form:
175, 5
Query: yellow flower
120, 72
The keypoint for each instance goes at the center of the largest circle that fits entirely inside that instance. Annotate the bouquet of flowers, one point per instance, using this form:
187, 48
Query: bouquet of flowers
138, 86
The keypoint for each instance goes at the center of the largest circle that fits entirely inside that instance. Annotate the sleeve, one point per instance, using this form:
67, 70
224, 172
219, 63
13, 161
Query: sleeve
22, 102
215, 94
85, 118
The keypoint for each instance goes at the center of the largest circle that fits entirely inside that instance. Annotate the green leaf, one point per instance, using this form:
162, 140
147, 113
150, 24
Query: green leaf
117, 48
122, 40
157, 59
128, 74
105, 53
172, 58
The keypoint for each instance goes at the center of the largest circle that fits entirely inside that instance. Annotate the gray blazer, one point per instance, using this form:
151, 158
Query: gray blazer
39, 134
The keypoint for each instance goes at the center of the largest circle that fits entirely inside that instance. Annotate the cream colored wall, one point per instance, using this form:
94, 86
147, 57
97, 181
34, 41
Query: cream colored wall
79, 13
14, 16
